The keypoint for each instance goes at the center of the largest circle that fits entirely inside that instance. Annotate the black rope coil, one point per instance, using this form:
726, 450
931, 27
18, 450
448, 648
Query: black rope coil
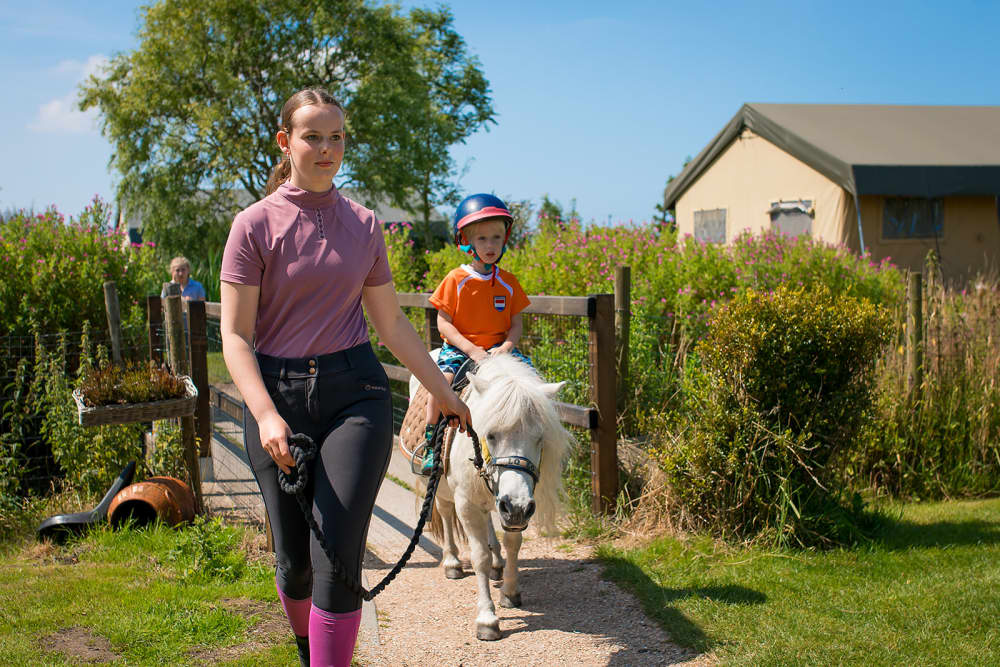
303, 450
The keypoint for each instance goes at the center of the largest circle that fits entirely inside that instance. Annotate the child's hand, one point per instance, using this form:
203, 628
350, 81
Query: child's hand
502, 349
478, 355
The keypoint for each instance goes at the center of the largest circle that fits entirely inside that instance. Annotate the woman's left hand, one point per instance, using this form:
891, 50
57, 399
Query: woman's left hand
455, 410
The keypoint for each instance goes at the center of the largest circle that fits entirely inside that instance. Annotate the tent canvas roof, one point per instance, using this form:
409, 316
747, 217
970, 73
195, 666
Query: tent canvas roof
874, 149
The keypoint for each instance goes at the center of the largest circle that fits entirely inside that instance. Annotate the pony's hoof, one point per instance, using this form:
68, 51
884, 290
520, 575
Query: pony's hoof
453, 573
496, 573
512, 602
487, 633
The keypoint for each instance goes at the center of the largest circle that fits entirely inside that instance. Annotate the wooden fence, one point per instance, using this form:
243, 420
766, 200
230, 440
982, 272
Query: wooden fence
599, 417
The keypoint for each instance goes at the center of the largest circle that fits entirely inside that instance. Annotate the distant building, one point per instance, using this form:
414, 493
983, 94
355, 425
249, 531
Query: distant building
385, 212
894, 180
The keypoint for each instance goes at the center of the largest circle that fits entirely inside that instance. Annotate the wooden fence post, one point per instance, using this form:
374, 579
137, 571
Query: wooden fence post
623, 319
914, 333
179, 366
431, 333
604, 438
199, 374
154, 323
114, 319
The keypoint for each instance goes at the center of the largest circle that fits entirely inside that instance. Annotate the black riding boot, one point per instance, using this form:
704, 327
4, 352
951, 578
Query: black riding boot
303, 645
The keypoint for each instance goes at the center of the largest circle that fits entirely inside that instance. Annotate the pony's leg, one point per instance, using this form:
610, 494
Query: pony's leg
450, 561
475, 522
496, 563
510, 596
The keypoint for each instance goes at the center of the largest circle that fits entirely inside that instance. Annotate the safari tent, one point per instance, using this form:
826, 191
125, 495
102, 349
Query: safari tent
896, 181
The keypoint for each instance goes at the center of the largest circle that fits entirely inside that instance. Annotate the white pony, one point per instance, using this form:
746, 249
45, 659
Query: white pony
525, 446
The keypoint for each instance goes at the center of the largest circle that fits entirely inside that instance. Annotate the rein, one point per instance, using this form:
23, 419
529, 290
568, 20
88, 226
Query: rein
303, 450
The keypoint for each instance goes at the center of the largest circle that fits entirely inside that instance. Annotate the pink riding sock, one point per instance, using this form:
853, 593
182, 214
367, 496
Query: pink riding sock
332, 637
297, 612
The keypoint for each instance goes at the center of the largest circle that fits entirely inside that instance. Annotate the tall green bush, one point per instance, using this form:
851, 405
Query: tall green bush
55, 271
778, 387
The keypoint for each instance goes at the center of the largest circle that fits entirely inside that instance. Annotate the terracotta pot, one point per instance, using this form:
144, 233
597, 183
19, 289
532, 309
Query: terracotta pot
165, 498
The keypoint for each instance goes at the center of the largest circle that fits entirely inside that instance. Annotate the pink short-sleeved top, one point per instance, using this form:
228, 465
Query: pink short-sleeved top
310, 253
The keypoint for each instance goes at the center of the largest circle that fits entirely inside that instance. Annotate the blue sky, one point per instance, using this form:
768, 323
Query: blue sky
597, 101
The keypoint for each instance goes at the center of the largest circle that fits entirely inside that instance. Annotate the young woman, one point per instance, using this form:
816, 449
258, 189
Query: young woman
297, 269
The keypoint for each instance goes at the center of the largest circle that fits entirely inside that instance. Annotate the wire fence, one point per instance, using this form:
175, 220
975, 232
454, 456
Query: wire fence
24, 446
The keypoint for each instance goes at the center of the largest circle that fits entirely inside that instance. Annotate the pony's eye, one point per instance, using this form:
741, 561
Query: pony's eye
490, 437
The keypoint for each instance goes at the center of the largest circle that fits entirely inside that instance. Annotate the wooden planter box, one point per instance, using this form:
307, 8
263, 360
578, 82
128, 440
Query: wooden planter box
137, 412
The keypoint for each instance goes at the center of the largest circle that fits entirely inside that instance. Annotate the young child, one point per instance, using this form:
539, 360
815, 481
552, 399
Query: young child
479, 304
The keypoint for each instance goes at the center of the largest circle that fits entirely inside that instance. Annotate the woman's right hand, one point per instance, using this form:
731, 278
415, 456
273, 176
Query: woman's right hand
454, 409
274, 435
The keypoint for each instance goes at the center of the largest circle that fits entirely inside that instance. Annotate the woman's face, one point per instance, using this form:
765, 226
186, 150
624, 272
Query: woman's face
316, 146
179, 273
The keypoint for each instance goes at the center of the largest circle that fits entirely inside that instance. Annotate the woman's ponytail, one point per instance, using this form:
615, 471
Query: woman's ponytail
281, 173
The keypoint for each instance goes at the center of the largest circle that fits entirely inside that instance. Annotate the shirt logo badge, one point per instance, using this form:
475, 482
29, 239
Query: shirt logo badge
500, 302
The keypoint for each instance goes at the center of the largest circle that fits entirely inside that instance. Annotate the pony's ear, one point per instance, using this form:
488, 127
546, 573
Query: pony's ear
550, 389
479, 386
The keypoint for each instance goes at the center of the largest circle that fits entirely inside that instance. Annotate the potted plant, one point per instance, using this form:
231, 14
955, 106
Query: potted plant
119, 394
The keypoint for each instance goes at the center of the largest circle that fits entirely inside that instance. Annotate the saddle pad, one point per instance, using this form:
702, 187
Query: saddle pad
411, 432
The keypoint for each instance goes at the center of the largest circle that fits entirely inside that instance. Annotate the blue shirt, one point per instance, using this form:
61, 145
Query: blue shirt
194, 291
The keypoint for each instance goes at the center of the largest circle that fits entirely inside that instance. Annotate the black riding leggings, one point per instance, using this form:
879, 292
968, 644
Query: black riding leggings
342, 401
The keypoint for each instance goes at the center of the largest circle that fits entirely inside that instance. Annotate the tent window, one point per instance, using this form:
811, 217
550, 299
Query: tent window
792, 218
710, 225
912, 218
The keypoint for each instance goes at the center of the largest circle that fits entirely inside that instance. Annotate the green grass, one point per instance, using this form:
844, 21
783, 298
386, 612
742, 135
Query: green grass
159, 596
927, 592
217, 371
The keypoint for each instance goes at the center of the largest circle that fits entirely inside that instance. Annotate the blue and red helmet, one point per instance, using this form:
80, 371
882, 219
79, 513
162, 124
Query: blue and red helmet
476, 208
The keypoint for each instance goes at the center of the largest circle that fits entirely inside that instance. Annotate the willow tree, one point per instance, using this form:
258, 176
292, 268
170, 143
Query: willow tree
191, 112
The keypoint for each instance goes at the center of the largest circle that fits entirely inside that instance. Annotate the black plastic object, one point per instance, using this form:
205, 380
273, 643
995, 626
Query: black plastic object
57, 528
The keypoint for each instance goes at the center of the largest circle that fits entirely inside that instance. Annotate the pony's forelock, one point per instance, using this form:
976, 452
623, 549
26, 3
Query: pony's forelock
512, 394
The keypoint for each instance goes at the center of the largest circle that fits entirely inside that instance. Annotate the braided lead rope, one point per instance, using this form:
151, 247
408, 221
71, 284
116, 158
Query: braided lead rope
303, 450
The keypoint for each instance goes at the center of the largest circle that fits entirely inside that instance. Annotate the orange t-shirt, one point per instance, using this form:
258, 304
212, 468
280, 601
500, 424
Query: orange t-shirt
481, 311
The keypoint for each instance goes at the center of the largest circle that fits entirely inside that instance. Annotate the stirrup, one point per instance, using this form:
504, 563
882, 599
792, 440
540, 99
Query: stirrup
417, 459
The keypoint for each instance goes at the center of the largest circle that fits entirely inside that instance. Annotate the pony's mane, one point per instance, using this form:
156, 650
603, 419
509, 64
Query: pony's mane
514, 394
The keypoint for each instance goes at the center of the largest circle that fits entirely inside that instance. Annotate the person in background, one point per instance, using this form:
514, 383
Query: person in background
180, 273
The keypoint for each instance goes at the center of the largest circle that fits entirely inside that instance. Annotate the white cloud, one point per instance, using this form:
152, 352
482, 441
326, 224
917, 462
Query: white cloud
63, 114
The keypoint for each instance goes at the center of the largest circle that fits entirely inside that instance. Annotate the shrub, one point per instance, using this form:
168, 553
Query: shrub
55, 272
781, 384
90, 458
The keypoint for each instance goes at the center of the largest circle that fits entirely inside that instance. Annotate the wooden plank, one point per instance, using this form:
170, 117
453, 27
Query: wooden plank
603, 439
154, 323
199, 374
397, 372
414, 299
541, 305
623, 317
114, 319
559, 305
576, 415
179, 366
431, 334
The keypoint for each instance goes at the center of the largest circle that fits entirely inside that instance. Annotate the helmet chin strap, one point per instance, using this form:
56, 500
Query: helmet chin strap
492, 268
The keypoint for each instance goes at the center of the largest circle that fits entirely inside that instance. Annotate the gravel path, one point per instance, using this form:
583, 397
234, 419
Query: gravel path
570, 616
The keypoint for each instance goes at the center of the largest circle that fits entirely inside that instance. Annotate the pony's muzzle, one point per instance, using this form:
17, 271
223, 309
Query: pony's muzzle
515, 516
